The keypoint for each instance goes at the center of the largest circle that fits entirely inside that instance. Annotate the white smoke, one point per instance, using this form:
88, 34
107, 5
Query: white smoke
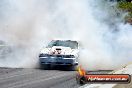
29, 25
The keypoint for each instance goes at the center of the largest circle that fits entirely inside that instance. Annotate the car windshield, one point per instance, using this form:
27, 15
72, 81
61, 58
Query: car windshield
67, 43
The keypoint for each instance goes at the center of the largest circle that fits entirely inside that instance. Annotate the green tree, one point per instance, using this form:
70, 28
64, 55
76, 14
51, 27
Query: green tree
127, 7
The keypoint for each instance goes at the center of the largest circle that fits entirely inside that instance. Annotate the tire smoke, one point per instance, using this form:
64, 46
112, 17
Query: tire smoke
27, 26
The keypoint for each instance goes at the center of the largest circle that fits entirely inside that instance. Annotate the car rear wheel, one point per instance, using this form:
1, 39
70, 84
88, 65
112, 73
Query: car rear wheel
73, 68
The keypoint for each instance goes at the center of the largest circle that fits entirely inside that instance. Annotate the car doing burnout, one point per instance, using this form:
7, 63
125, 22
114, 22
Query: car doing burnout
60, 53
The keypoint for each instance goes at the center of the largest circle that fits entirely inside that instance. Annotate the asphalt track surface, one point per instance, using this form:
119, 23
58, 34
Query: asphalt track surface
36, 78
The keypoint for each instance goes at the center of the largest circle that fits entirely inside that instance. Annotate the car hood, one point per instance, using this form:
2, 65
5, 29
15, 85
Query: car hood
59, 50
